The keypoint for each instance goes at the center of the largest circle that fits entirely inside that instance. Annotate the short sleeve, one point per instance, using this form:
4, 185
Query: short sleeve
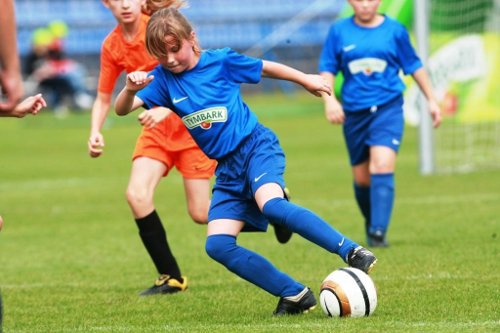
407, 57
109, 71
328, 57
241, 68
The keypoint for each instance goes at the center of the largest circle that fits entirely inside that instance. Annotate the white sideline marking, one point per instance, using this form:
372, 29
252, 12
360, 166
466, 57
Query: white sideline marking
217, 283
22, 185
47, 183
399, 325
423, 200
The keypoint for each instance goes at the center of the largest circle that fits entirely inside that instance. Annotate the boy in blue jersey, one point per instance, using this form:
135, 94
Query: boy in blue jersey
203, 89
370, 49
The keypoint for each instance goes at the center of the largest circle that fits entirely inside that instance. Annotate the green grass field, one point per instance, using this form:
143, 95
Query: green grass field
71, 259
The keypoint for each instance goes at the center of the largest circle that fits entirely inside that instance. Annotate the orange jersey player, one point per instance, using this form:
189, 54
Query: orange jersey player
157, 150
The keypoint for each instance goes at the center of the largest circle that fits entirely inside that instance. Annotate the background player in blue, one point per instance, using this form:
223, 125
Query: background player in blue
203, 88
370, 49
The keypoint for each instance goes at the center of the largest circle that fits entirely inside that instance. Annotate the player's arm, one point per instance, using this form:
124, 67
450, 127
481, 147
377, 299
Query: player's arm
10, 69
333, 109
422, 79
32, 104
127, 101
315, 84
100, 110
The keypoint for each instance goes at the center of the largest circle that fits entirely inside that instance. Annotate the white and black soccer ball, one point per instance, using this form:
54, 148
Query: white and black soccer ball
348, 292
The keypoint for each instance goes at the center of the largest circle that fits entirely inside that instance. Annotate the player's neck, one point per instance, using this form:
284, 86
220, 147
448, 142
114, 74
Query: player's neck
130, 30
373, 22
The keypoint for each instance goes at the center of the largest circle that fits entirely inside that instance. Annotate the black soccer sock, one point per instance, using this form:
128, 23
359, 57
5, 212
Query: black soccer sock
154, 238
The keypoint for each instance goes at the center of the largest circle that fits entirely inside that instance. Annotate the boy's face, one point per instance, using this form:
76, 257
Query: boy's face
180, 54
365, 10
124, 11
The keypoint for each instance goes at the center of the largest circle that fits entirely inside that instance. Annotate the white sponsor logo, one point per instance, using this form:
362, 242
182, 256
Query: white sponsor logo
395, 142
204, 118
342, 242
367, 66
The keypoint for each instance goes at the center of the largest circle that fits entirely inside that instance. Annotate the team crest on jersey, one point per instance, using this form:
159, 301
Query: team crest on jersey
204, 118
367, 66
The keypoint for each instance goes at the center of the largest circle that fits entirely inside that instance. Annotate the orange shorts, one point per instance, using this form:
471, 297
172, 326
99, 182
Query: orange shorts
170, 143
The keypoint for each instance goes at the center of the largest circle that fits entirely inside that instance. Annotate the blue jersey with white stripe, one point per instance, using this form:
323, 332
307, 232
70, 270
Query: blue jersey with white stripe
370, 59
208, 100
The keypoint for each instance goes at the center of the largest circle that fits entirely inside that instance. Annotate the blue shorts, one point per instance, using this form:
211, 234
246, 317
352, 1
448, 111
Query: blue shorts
258, 160
377, 126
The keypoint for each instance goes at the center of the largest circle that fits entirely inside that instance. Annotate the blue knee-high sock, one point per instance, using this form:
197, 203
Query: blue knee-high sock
362, 194
251, 266
382, 201
309, 225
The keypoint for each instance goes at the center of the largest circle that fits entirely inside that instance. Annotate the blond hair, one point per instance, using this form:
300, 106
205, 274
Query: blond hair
152, 6
168, 22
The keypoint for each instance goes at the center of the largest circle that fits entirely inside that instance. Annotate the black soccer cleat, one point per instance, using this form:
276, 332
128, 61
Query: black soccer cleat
362, 259
376, 239
304, 304
166, 285
282, 233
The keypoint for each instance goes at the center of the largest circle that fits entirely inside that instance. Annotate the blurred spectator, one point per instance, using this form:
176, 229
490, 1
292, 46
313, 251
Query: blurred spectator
59, 78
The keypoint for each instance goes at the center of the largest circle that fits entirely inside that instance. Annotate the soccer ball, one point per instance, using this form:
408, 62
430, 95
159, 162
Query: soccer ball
348, 292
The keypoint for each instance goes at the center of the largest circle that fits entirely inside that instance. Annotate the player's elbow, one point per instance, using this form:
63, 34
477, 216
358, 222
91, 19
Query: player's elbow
121, 110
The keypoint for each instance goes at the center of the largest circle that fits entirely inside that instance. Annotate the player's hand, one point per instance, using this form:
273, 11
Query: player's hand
11, 84
95, 144
32, 104
317, 85
151, 118
333, 111
435, 112
138, 80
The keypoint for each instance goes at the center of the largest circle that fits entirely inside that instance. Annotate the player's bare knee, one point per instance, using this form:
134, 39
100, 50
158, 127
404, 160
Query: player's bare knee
137, 197
381, 166
363, 182
199, 216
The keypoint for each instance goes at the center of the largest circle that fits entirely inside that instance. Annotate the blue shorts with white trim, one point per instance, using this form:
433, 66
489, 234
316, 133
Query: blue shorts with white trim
258, 160
381, 125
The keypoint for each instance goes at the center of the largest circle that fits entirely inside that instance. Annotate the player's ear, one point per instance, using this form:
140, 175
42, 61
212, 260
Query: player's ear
192, 37
105, 3
193, 40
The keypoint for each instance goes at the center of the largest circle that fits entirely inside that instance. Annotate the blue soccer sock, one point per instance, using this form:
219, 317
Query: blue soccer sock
382, 199
362, 194
307, 224
251, 266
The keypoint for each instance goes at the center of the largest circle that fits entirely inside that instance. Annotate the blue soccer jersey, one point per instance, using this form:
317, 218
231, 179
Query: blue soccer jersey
208, 99
370, 60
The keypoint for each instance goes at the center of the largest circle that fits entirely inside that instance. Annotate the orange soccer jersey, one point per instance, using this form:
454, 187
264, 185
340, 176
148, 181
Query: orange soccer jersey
170, 141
